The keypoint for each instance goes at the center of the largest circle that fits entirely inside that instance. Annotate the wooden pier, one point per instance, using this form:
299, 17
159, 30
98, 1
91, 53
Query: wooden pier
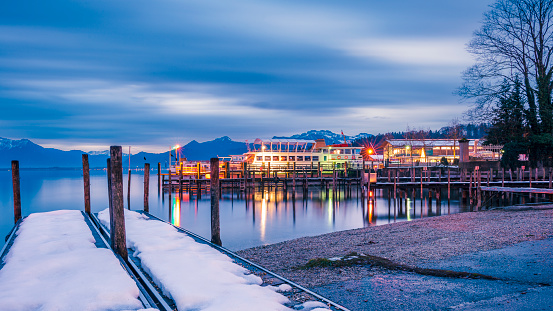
113, 237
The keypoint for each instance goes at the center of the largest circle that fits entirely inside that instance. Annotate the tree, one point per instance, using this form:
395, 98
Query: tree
516, 39
508, 124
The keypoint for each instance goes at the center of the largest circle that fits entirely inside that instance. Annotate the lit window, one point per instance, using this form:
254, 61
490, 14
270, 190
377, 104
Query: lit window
267, 158
315, 158
292, 158
275, 158
307, 158
282, 158
300, 158
259, 158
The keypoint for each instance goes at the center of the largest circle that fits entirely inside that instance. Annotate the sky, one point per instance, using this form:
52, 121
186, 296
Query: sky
90, 74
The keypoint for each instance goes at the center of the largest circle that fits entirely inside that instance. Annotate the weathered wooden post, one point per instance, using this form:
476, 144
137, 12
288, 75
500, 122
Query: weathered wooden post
158, 178
479, 191
117, 225
147, 187
170, 182
215, 224
448, 185
180, 180
86, 180
129, 190
109, 189
16, 191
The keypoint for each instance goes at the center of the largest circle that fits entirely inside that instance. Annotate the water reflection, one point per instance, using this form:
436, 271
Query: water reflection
247, 219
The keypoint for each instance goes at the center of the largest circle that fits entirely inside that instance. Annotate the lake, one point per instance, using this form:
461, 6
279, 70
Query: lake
272, 217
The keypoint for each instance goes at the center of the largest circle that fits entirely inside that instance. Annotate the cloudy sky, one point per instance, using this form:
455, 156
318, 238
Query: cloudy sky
89, 74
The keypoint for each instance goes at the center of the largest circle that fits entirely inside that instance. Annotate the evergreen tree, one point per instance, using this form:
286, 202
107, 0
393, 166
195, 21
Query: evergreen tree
508, 117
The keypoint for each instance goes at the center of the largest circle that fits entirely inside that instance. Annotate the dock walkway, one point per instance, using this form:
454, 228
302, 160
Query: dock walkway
63, 260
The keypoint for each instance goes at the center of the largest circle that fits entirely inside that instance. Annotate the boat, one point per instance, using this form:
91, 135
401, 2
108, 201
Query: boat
302, 153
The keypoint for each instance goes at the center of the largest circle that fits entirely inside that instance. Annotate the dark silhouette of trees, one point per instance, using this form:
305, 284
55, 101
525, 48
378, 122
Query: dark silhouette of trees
515, 43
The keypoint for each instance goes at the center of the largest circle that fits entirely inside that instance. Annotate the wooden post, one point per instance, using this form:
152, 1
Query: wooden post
170, 182
146, 187
530, 178
448, 184
86, 180
180, 180
550, 177
503, 177
129, 190
479, 191
109, 190
215, 224
16, 191
158, 177
117, 231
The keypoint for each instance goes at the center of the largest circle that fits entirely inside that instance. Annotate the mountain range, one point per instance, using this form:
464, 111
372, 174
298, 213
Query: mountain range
31, 155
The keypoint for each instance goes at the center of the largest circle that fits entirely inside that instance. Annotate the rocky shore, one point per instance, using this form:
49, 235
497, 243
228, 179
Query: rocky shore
416, 243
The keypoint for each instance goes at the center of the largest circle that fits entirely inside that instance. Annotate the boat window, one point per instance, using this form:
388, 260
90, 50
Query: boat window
259, 158
275, 158
315, 158
282, 158
267, 158
357, 151
324, 158
336, 151
300, 158
292, 158
348, 151
307, 158
325, 150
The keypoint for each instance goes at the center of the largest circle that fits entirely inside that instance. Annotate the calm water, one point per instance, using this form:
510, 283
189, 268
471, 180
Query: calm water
270, 218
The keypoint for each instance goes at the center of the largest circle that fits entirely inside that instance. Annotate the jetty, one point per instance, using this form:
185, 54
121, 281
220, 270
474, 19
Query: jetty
121, 259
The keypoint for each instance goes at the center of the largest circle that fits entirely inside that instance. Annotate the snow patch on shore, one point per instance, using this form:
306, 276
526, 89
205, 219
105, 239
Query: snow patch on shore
54, 265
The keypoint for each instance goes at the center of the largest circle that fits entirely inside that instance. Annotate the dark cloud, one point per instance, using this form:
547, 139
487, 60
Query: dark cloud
147, 73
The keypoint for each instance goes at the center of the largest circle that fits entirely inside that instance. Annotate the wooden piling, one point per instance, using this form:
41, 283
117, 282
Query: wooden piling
214, 183
16, 191
129, 190
146, 187
109, 191
158, 177
117, 231
86, 181
180, 180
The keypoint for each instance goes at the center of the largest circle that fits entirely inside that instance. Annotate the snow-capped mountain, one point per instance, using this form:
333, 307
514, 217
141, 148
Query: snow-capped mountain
328, 136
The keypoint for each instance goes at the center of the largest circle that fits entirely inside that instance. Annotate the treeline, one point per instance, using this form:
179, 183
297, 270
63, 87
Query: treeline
454, 131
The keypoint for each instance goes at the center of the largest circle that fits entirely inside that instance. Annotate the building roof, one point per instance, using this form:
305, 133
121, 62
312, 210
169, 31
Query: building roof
426, 142
259, 141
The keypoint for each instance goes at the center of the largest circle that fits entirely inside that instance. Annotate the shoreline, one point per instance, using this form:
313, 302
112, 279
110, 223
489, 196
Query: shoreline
414, 243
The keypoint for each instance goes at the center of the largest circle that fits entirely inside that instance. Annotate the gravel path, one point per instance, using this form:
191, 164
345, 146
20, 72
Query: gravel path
414, 243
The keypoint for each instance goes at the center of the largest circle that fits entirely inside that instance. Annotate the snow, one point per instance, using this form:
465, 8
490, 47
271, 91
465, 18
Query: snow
194, 275
312, 306
54, 265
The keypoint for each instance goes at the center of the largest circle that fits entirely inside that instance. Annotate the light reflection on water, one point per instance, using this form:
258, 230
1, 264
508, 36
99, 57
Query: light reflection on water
267, 217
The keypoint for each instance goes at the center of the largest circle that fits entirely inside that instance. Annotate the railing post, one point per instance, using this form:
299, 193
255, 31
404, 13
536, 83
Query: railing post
16, 191
86, 180
215, 224
117, 232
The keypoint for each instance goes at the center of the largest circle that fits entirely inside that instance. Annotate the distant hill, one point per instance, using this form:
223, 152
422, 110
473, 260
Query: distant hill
328, 136
31, 155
